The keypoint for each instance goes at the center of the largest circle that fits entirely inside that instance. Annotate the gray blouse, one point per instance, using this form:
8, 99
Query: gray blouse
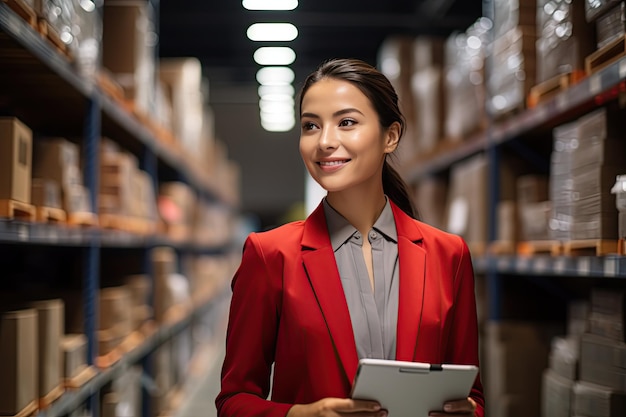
374, 314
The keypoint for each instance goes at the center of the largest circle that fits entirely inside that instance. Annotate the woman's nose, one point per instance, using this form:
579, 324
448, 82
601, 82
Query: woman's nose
327, 140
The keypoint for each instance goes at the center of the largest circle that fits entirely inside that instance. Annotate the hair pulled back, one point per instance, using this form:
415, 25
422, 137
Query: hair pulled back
377, 88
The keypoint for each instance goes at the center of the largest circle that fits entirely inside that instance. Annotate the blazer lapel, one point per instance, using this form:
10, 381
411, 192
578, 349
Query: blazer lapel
321, 269
412, 264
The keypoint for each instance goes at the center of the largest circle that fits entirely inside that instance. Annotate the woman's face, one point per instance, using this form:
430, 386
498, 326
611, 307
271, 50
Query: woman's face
341, 140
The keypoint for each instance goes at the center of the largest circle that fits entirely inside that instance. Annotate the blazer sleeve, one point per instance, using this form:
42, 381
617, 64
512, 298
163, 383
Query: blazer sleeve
462, 344
251, 338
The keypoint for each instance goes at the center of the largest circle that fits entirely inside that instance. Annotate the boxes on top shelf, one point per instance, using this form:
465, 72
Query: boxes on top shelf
396, 62
16, 143
464, 73
128, 49
509, 14
596, 8
565, 38
513, 70
611, 26
181, 79
592, 399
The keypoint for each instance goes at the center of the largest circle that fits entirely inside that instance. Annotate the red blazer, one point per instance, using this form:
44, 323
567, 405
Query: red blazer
288, 308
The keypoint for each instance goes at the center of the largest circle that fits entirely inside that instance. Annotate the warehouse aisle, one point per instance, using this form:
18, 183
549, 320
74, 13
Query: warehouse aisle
201, 400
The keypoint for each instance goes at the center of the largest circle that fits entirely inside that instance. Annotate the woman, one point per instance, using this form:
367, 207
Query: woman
360, 277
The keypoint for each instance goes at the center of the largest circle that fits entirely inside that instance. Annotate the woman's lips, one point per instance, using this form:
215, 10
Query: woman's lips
331, 166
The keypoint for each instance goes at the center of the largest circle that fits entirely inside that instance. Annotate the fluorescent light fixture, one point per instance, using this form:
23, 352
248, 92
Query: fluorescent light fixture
275, 76
270, 4
278, 98
278, 127
285, 89
276, 107
274, 55
288, 117
271, 32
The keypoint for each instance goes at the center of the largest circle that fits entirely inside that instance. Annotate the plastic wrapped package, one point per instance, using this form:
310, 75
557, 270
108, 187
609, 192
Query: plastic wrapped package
509, 14
464, 80
611, 26
512, 71
564, 38
596, 8
565, 140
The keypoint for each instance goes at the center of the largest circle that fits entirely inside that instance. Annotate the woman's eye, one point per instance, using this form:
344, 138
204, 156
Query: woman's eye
308, 126
347, 122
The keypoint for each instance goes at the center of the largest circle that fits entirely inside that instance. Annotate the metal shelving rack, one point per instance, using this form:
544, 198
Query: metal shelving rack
607, 85
26, 55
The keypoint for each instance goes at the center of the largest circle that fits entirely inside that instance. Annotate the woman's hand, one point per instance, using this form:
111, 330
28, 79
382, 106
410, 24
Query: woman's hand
335, 407
458, 408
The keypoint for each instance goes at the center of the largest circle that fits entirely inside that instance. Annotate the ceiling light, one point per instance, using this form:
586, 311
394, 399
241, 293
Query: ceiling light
270, 4
285, 89
276, 107
270, 32
278, 127
275, 76
281, 98
277, 55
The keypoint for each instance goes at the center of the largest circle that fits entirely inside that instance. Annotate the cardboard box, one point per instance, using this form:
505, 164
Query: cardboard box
556, 395
74, 354
115, 310
19, 364
16, 147
598, 401
128, 51
611, 26
596, 8
57, 159
46, 193
50, 321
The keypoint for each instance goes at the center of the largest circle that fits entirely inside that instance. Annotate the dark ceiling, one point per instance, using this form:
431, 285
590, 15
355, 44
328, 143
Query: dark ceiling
215, 30
272, 173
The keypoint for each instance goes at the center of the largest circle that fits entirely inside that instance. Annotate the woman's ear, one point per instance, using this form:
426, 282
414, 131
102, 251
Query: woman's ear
392, 137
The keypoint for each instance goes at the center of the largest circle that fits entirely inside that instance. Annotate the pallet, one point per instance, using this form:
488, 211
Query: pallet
13, 209
536, 247
549, 88
84, 219
48, 32
110, 87
27, 411
79, 380
51, 215
502, 247
621, 247
605, 55
593, 247
23, 10
127, 224
52, 396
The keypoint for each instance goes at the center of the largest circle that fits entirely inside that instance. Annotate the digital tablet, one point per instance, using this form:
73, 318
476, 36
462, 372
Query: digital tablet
411, 388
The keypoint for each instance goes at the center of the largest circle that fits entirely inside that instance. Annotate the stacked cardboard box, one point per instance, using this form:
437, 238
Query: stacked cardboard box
565, 138
599, 157
533, 207
16, 143
564, 38
19, 365
564, 359
611, 26
596, 8
512, 70
177, 203
602, 386
58, 160
464, 70
115, 322
128, 49
513, 384
395, 61
427, 84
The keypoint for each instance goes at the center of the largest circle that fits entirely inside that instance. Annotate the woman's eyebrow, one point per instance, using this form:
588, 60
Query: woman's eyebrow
335, 114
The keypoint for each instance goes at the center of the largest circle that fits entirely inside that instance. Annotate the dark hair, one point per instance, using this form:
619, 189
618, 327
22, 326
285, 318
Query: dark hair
383, 97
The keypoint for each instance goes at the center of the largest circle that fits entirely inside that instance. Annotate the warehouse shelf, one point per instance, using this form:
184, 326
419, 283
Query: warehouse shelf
25, 233
610, 266
587, 94
71, 400
50, 95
